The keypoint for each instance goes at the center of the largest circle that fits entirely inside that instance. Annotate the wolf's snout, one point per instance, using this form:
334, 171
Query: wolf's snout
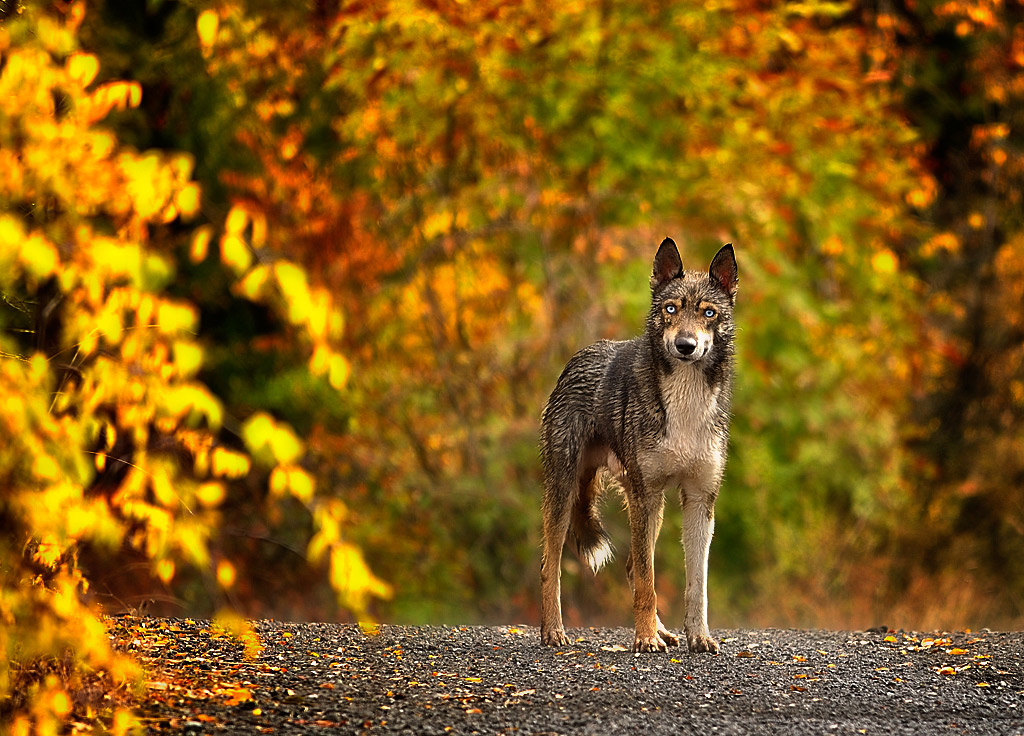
686, 345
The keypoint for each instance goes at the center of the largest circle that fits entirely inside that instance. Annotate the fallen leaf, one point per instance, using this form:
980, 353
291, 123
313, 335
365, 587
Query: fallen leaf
614, 648
745, 654
947, 670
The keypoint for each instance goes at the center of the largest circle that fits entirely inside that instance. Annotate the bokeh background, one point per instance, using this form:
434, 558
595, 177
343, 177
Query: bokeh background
285, 286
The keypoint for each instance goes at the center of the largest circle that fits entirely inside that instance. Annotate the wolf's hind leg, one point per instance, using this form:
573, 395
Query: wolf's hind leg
557, 510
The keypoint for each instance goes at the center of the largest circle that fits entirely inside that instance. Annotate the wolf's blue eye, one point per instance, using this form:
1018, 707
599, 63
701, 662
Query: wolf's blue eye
670, 308
709, 312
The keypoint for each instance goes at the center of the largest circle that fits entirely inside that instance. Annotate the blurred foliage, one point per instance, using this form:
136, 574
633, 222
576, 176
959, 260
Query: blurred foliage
285, 287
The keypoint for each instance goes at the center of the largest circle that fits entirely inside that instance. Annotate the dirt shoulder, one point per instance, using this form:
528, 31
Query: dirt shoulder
339, 678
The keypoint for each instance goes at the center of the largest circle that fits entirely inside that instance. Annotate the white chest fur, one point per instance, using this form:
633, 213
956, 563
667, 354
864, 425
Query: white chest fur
691, 449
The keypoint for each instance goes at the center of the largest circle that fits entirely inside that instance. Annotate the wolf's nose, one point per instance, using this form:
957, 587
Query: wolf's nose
686, 345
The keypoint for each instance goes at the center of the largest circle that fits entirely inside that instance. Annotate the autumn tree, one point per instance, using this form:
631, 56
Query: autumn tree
480, 187
957, 67
113, 445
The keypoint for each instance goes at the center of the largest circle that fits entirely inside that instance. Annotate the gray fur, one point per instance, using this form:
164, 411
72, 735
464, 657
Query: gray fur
654, 410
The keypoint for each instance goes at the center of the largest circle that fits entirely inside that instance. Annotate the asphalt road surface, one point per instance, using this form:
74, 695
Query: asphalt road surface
341, 678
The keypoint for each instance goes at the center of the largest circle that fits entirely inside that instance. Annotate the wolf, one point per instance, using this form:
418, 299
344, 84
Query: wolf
654, 411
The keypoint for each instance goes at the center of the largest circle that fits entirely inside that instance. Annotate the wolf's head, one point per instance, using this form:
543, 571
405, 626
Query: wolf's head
691, 311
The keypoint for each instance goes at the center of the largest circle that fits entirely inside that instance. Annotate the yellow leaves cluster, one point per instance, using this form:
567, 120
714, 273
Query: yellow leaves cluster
122, 371
350, 576
282, 285
226, 623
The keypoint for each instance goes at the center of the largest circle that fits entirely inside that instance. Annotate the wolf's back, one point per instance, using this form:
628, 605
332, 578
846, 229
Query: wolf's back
570, 414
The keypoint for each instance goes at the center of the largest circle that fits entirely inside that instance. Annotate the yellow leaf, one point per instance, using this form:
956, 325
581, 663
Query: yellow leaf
251, 287
124, 720
226, 463
206, 26
832, 246
172, 318
339, 372
163, 491
236, 221
295, 289
225, 574
60, 703
187, 199
45, 467
278, 481
200, 244
301, 484
210, 494
256, 431
38, 257
165, 570
437, 224
83, 68
188, 357
234, 253
884, 262
320, 360
284, 445
352, 579
241, 630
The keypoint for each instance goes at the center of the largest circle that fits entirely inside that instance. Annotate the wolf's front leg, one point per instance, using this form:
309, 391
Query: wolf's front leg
698, 527
645, 513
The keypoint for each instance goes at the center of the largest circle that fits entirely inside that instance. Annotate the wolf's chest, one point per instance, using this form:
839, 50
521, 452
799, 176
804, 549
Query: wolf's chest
691, 445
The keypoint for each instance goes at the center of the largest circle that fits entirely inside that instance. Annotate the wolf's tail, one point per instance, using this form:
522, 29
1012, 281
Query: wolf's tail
592, 542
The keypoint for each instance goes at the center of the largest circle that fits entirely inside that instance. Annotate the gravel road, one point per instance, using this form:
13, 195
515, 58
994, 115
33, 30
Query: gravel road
340, 678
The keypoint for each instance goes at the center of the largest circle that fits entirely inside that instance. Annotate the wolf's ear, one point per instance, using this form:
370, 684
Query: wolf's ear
667, 264
723, 270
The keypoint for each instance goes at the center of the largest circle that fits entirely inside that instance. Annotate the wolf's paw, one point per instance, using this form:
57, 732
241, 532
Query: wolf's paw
554, 638
668, 637
649, 644
701, 643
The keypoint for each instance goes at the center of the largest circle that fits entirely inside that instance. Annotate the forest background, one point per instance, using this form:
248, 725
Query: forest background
284, 287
